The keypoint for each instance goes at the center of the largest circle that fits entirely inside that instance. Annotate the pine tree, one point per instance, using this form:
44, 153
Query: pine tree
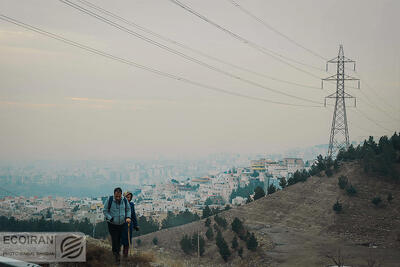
210, 234
342, 181
207, 222
223, 247
237, 226
283, 183
235, 243
252, 243
249, 199
198, 241
271, 189
221, 221
240, 252
206, 212
186, 244
337, 207
258, 193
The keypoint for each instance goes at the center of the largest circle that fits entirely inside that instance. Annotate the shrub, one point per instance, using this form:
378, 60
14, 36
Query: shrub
329, 172
271, 189
206, 212
237, 226
216, 228
221, 221
155, 241
186, 244
198, 242
282, 182
351, 191
337, 207
336, 165
389, 197
208, 222
343, 181
258, 193
249, 199
235, 243
223, 247
252, 243
210, 234
240, 252
376, 200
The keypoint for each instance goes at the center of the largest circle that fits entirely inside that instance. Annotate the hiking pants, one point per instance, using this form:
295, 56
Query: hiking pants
116, 233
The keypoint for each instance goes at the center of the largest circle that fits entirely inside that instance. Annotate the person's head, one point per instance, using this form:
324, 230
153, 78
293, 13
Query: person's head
117, 193
128, 195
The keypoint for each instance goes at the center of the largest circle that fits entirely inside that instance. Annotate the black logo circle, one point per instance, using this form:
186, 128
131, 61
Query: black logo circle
72, 246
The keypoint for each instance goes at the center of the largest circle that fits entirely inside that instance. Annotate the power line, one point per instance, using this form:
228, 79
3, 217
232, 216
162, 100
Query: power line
236, 4
373, 121
375, 93
131, 63
259, 48
187, 57
174, 42
376, 107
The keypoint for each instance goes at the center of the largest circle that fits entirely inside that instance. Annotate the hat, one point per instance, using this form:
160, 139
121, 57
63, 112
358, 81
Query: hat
128, 193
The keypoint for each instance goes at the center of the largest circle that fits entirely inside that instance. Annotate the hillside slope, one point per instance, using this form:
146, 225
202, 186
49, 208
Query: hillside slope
298, 227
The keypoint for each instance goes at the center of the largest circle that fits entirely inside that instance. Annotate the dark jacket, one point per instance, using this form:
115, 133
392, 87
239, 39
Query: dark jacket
124, 239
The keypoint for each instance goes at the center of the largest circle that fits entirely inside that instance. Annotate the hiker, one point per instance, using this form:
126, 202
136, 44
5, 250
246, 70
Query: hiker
117, 213
133, 225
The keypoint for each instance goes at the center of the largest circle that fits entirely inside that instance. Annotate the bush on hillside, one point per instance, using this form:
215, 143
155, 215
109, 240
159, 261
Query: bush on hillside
186, 244
235, 243
237, 227
223, 247
258, 193
329, 172
198, 244
337, 207
221, 221
271, 189
376, 200
343, 181
351, 190
389, 197
210, 234
240, 252
252, 243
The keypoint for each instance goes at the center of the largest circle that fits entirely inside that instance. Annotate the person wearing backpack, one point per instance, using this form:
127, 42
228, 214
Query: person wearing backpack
126, 240
117, 212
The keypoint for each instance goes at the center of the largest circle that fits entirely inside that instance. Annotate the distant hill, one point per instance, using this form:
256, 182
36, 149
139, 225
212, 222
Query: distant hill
298, 226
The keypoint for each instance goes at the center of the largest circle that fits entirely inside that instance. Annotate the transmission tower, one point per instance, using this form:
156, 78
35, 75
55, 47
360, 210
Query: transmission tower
339, 137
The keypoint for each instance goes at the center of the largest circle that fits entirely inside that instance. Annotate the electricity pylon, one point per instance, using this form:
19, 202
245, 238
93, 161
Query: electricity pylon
339, 137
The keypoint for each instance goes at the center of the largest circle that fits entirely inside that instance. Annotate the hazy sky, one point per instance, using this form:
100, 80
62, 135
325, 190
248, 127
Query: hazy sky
60, 102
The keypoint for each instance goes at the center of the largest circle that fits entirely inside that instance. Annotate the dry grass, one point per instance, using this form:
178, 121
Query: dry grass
101, 256
298, 227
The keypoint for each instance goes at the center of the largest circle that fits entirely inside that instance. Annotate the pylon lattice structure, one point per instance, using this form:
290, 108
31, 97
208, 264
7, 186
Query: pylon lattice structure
339, 137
